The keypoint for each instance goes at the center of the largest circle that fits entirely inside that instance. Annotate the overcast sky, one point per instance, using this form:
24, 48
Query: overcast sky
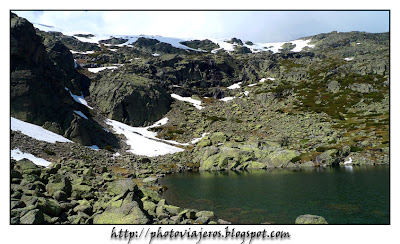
256, 26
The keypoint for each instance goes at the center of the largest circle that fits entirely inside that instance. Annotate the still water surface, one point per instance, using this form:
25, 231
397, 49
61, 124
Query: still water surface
343, 195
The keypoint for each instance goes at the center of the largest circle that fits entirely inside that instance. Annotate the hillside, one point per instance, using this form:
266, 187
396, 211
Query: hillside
126, 110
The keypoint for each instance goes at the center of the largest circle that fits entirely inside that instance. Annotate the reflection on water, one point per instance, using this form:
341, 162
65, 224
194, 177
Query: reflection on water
343, 195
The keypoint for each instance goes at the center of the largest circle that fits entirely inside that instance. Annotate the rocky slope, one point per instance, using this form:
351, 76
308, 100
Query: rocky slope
257, 106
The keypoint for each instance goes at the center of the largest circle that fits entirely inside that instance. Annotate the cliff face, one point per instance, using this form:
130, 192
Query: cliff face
39, 79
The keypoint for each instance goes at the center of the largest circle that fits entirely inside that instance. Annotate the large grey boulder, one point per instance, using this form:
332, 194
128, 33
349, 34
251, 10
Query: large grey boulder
310, 219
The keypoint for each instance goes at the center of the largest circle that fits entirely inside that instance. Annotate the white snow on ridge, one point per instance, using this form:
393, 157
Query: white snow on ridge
79, 99
96, 70
18, 155
80, 114
76, 52
36, 131
196, 103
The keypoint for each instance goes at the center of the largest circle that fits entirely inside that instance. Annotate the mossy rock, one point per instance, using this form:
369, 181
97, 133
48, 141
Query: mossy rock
310, 219
62, 184
32, 217
218, 137
81, 191
48, 206
121, 187
280, 158
129, 213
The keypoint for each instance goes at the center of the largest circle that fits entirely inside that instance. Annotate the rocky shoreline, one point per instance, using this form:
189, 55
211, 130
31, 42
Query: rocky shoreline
87, 190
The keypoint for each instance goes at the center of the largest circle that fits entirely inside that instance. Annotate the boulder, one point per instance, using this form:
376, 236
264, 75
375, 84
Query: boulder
48, 206
32, 217
310, 219
328, 157
280, 158
208, 214
218, 137
129, 213
150, 180
59, 184
121, 187
80, 191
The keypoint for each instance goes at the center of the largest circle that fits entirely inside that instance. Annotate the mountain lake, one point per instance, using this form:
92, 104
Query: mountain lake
342, 195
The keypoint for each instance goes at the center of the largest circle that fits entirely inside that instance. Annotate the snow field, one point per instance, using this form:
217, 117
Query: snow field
196, 103
36, 131
18, 155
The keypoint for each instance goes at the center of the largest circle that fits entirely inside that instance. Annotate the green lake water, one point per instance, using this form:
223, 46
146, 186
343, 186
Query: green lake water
343, 195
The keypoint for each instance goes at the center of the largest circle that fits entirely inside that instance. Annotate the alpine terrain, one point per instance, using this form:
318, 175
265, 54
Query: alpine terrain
97, 120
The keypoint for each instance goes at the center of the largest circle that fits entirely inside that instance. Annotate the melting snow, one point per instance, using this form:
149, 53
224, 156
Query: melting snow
196, 103
94, 147
79, 99
76, 52
226, 99
36, 131
18, 155
96, 70
80, 114
196, 140
142, 141
235, 86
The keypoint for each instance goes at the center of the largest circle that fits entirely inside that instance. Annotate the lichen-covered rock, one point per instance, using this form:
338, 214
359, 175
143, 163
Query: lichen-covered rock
32, 217
48, 206
328, 157
121, 187
280, 158
126, 214
310, 219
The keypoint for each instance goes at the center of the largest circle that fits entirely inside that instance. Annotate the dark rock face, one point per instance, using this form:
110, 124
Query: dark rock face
33, 84
38, 81
131, 99
60, 55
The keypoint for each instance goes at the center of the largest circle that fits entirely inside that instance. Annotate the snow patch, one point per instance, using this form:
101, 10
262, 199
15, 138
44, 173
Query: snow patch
18, 155
94, 147
196, 103
196, 140
77, 52
36, 131
80, 114
142, 141
79, 99
349, 59
156, 54
235, 86
226, 99
96, 70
